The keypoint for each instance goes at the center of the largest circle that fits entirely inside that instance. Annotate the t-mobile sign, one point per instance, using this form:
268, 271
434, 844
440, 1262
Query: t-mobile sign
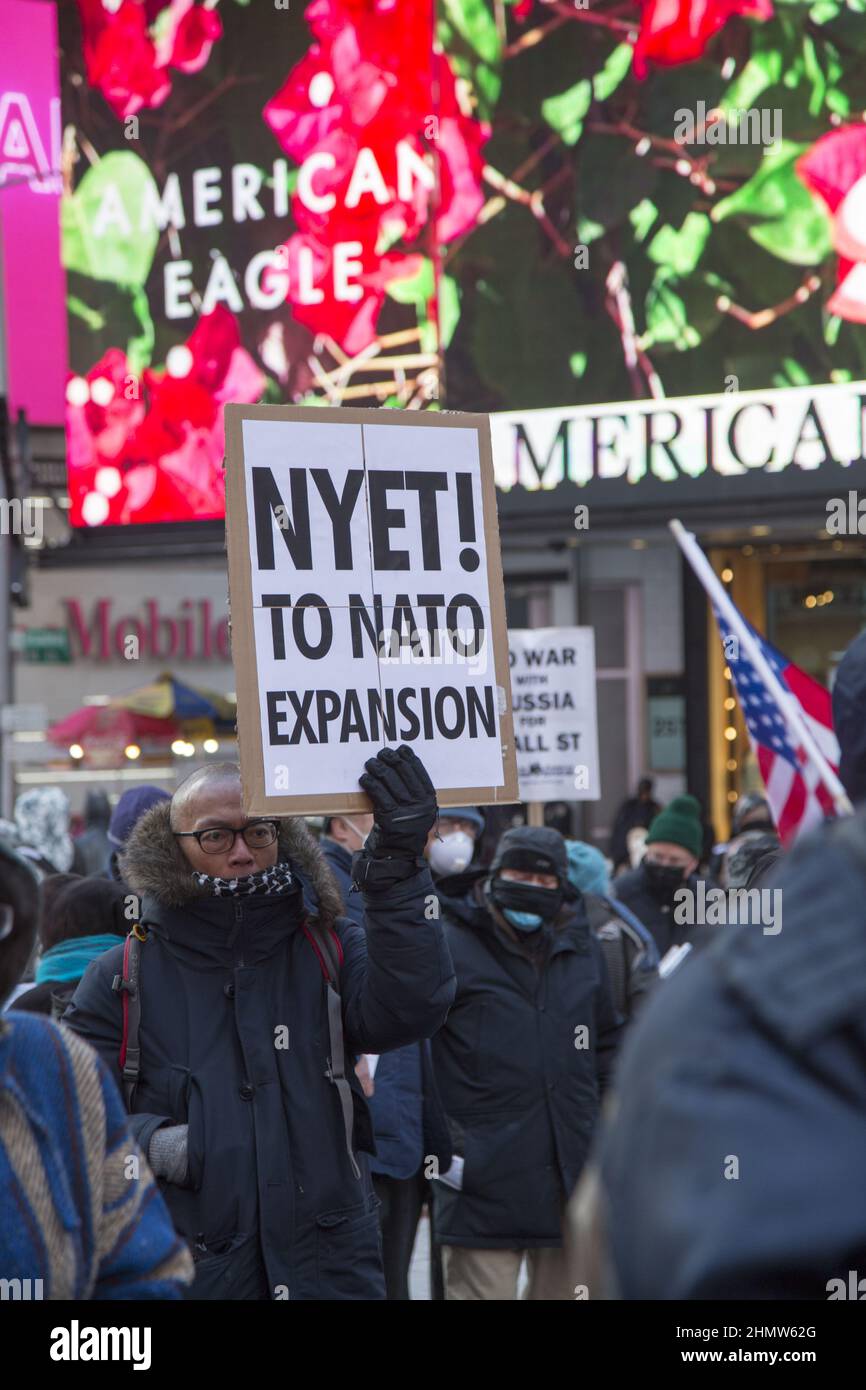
30, 186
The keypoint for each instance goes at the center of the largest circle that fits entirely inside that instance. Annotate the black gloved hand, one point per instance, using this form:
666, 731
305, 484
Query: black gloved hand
404, 809
404, 803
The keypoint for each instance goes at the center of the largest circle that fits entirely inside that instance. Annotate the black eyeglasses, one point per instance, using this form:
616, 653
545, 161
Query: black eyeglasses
219, 839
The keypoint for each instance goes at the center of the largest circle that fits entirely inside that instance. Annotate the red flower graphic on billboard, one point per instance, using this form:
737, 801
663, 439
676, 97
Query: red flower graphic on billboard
339, 287
142, 450
678, 31
835, 170
129, 48
383, 146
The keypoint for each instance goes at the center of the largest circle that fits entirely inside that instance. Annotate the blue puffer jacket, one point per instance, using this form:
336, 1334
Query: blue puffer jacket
408, 1120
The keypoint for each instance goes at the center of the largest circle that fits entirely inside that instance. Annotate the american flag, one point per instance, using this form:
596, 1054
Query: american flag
798, 798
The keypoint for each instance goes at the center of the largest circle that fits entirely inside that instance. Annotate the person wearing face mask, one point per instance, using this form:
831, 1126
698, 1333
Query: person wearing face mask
453, 840
521, 1062
674, 844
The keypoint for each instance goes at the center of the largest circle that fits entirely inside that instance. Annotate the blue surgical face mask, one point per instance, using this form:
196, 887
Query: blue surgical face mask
523, 921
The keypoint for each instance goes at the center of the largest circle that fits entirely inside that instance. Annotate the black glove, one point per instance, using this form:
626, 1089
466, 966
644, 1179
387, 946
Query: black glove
404, 809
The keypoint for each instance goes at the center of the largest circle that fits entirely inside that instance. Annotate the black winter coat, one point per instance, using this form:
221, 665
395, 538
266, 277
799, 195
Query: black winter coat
408, 1120
520, 1093
754, 1051
271, 1208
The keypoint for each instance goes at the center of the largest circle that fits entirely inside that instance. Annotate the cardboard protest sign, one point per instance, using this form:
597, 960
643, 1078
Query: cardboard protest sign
555, 724
367, 605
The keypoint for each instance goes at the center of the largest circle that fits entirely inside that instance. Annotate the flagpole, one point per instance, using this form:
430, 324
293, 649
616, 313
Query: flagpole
787, 704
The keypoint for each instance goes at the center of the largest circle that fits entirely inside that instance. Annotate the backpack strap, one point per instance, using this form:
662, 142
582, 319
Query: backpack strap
126, 984
329, 952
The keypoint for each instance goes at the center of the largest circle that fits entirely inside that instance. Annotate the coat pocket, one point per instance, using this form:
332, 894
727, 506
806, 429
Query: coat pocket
178, 1085
349, 1252
196, 1145
186, 1107
491, 1151
238, 1272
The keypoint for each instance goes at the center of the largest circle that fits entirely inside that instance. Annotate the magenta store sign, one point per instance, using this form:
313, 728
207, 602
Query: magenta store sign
30, 187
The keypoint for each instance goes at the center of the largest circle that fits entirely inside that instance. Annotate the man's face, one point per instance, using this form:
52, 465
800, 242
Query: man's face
219, 804
671, 856
448, 825
352, 832
531, 880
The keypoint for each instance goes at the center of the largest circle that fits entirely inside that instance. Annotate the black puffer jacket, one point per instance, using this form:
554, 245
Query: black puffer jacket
272, 1208
520, 1089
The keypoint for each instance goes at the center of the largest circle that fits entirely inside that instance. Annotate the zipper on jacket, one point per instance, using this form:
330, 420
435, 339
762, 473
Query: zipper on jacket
239, 918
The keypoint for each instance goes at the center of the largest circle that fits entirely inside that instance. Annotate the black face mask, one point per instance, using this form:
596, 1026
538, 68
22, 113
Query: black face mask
664, 879
526, 897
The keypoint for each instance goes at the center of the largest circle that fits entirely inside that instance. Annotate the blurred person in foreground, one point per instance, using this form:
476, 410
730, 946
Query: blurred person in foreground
732, 1163
75, 1221
520, 1062
80, 919
629, 948
254, 994
50, 889
674, 845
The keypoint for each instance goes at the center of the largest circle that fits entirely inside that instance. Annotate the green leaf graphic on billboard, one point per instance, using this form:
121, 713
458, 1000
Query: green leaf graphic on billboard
682, 311
565, 113
469, 35
616, 67
420, 290
108, 228
778, 210
681, 250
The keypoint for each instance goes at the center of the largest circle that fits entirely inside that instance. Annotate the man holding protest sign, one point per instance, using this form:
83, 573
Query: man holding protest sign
367, 608
253, 995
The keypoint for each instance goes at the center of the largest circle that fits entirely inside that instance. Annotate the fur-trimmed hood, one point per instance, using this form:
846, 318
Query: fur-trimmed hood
154, 866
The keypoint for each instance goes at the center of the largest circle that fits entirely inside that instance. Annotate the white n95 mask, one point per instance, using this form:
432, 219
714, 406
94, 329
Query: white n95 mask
452, 854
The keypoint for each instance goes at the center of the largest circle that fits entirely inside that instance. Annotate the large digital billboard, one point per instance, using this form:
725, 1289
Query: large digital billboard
477, 204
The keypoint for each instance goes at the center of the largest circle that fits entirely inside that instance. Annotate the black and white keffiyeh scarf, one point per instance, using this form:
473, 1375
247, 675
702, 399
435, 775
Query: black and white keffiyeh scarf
277, 879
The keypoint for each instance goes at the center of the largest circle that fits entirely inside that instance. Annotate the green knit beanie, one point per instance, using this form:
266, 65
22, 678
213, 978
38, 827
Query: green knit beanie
679, 824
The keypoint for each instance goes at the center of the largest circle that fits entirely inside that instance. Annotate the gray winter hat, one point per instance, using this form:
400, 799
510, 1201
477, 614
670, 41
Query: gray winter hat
535, 848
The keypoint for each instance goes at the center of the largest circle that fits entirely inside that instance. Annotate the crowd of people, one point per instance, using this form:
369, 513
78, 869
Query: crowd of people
265, 1051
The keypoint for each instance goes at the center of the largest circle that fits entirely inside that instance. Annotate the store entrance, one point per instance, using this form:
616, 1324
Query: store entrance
809, 599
